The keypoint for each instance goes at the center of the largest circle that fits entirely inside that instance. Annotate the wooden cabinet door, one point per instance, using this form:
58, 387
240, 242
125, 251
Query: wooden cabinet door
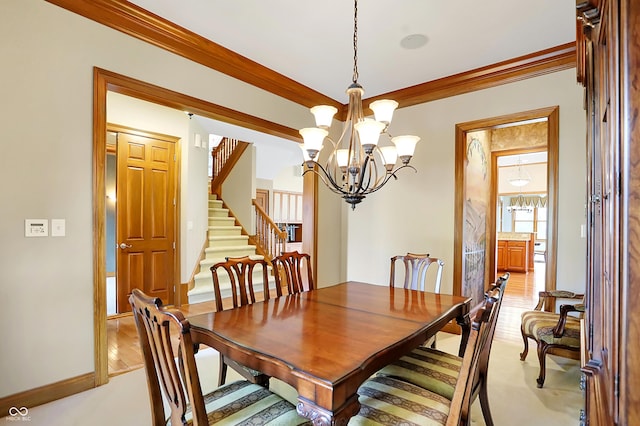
517, 256
502, 255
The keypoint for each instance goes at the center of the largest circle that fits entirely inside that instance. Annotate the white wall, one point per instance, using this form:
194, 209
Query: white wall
416, 212
239, 188
46, 284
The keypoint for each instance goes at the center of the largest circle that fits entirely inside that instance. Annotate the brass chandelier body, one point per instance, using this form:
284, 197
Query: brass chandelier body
356, 166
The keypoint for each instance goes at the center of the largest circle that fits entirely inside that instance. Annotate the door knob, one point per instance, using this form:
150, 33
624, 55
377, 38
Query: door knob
125, 246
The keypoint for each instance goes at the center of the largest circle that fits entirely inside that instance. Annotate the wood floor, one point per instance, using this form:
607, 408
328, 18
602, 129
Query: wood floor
521, 295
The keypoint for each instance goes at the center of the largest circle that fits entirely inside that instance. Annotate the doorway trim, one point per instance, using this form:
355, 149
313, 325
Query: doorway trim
551, 114
105, 81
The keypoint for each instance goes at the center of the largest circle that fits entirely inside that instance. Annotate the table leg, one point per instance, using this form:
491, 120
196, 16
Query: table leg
322, 417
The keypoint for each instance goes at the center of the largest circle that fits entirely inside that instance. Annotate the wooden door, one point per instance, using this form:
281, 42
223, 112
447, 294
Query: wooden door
146, 214
262, 199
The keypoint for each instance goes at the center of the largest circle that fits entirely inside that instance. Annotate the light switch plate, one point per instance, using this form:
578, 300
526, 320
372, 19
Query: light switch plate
36, 227
58, 227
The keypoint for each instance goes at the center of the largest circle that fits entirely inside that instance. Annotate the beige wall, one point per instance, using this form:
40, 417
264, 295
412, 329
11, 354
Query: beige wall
416, 212
46, 284
240, 186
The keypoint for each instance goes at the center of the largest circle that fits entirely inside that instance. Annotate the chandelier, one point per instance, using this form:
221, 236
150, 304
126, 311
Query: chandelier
520, 177
356, 166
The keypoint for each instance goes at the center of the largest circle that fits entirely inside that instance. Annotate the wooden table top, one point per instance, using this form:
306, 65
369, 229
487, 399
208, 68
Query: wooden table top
327, 342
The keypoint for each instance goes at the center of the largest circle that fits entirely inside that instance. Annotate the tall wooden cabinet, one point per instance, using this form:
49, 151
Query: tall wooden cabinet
608, 65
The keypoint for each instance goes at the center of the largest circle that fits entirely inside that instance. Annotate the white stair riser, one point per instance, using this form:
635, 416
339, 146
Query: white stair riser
221, 221
218, 213
215, 204
230, 251
228, 241
219, 231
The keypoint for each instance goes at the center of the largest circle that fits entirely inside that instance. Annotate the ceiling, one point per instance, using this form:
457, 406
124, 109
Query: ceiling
312, 42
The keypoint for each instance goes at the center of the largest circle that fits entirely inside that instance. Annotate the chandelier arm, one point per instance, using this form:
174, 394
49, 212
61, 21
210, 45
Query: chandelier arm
392, 174
323, 177
365, 189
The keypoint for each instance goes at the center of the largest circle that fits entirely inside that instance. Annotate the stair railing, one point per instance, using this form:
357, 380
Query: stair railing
271, 239
225, 156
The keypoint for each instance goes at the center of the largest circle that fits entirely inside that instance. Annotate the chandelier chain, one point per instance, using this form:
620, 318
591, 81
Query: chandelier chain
355, 41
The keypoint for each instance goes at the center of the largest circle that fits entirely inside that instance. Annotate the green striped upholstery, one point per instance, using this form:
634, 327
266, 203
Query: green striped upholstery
539, 325
244, 403
428, 368
388, 401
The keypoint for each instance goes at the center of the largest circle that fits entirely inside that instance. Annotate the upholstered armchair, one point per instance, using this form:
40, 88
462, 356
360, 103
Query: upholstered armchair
554, 333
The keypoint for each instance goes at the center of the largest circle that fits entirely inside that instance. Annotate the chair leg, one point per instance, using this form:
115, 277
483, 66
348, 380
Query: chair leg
484, 403
222, 372
524, 353
542, 357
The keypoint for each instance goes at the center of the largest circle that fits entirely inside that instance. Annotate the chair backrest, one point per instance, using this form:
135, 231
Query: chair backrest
496, 295
464, 389
290, 266
240, 271
155, 325
416, 267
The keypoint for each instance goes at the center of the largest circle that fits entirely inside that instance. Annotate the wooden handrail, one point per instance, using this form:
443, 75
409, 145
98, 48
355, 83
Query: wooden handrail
268, 236
225, 156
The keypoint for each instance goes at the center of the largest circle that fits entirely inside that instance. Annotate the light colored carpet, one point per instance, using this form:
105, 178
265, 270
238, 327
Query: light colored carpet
514, 397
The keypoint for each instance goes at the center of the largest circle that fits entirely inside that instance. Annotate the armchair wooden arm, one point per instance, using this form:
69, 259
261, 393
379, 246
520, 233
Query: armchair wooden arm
558, 330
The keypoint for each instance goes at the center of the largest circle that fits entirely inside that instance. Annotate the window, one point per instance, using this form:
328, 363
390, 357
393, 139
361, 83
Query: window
534, 220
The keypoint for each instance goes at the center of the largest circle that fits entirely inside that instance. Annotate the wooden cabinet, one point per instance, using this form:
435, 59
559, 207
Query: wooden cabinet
513, 255
608, 65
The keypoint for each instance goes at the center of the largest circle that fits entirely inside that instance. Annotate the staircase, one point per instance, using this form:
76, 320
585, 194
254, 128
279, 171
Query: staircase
225, 240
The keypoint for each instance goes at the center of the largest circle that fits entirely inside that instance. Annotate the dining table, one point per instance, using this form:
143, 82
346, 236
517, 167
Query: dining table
326, 342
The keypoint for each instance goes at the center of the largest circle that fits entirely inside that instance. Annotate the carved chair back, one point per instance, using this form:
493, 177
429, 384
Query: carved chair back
294, 269
417, 270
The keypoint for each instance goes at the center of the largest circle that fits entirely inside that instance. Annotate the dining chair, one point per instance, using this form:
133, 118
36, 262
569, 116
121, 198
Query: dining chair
417, 269
390, 400
554, 333
289, 269
439, 371
163, 332
240, 273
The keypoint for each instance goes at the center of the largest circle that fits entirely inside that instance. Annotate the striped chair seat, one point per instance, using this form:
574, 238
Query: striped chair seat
388, 401
428, 368
540, 325
243, 402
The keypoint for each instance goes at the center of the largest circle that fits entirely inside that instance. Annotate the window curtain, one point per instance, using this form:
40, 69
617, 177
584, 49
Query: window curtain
528, 201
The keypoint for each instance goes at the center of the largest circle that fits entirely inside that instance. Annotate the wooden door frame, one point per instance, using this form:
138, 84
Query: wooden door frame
105, 81
553, 125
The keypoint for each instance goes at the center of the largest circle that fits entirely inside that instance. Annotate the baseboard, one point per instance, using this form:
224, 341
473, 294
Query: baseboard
48, 393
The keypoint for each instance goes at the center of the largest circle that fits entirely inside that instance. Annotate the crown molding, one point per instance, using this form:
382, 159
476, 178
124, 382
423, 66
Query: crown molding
137, 22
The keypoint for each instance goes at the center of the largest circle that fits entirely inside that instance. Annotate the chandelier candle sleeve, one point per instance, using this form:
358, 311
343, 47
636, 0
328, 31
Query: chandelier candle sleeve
359, 162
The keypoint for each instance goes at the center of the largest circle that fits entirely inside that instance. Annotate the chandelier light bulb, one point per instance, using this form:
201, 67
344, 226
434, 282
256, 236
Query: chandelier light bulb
389, 156
369, 131
313, 138
323, 115
406, 145
383, 110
